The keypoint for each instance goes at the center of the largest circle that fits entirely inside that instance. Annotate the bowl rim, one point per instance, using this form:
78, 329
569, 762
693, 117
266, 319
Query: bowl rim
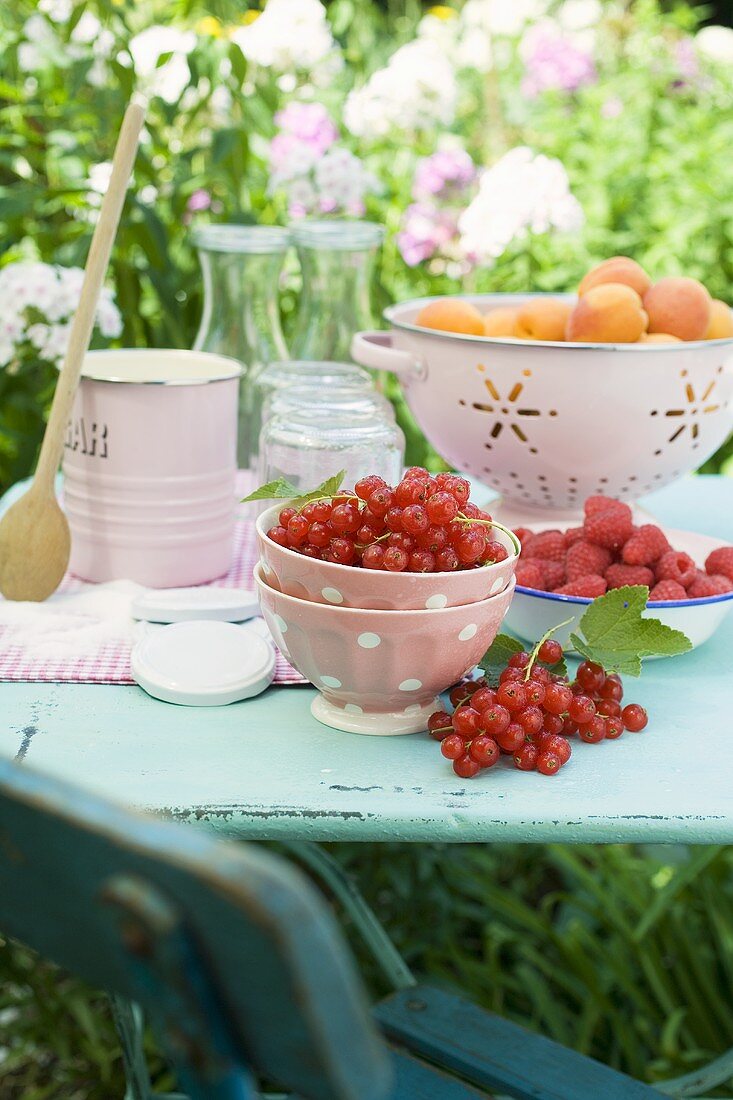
260, 581
560, 597
391, 315
335, 565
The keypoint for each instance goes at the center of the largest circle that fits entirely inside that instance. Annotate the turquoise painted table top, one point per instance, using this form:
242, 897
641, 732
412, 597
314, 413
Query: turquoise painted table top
266, 769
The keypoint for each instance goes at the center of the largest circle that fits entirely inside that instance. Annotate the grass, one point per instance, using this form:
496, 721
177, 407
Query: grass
621, 952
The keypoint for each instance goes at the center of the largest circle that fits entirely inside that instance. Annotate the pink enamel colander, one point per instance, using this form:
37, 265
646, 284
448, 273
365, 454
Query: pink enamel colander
548, 424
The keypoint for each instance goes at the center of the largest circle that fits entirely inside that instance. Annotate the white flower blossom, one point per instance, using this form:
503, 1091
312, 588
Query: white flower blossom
465, 45
58, 11
171, 78
39, 301
716, 43
290, 34
502, 17
416, 90
522, 193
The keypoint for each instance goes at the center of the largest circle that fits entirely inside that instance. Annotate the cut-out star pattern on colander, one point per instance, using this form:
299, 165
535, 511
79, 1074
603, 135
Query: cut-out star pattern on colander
506, 411
688, 416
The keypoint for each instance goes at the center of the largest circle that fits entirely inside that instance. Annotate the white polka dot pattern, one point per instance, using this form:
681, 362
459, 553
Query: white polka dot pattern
433, 603
369, 640
468, 632
330, 681
410, 685
332, 595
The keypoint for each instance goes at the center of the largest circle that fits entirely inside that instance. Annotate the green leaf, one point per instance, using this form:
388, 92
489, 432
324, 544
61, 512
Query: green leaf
283, 490
273, 490
497, 655
613, 632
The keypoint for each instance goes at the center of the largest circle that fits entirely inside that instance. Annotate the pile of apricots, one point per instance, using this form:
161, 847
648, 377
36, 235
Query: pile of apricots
617, 303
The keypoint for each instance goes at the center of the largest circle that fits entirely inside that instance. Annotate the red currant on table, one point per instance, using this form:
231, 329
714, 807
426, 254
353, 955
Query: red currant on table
581, 709
525, 758
512, 694
548, 763
453, 746
594, 730
465, 720
550, 651
484, 750
558, 745
511, 739
466, 767
558, 698
493, 720
440, 725
634, 717
614, 728
590, 676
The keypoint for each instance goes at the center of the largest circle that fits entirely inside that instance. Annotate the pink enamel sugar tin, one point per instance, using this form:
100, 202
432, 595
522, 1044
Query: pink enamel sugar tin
149, 467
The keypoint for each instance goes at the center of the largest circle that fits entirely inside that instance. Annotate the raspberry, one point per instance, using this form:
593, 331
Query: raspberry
573, 535
610, 528
523, 534
645, 546
618, 575
584, 558
553, 574
595, 504
720, 562
528, 574
547, 545
668, 590
708, 585
589, 586
675, 565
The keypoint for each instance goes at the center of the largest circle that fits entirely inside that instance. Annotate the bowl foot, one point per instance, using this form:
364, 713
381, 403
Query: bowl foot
390, 724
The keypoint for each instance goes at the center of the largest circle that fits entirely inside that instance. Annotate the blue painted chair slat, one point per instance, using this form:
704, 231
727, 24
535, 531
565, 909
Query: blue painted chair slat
414, 1080
495, 1054
272, 952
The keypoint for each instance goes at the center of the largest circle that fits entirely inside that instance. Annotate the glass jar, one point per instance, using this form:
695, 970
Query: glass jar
337, 263
275, 377
336, 400
307, 448
241, 267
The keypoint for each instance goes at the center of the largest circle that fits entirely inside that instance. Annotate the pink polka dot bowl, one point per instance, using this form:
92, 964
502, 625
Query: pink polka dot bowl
345, 586
380, 672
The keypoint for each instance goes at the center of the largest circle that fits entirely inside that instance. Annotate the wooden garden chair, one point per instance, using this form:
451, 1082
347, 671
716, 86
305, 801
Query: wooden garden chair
238, 963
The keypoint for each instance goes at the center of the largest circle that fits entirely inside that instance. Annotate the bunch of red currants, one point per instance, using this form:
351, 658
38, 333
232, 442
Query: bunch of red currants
531, 714
425, 524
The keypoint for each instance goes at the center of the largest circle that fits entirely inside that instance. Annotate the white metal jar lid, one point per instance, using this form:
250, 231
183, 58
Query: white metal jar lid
203, 663
176, 605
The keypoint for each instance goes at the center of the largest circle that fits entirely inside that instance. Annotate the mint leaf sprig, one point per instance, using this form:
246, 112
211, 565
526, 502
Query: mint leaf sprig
611, 632
281, 489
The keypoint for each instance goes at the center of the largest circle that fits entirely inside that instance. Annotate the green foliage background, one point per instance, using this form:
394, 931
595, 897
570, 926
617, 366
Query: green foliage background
623, 953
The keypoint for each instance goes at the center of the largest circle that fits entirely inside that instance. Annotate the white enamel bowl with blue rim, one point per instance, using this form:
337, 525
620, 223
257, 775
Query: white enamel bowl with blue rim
533, 613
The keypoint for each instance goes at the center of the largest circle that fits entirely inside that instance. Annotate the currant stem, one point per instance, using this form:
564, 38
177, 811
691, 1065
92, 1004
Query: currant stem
536, 649
461, 518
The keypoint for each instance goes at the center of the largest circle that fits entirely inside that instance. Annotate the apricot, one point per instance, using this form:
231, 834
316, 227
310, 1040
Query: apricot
721, 321
659, 338
543, 319
452, 315
501, 321
619, 269
610, 313
680, 306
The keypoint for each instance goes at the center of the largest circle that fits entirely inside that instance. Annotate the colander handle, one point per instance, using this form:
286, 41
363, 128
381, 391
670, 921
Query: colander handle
374, 349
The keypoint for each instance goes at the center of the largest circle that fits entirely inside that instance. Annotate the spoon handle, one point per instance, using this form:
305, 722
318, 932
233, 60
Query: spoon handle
94, 273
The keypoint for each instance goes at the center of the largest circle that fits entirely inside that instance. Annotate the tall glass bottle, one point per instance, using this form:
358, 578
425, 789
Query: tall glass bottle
337, 262
241, 267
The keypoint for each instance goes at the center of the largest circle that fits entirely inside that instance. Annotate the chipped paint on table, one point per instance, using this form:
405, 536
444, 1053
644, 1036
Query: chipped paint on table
265, 768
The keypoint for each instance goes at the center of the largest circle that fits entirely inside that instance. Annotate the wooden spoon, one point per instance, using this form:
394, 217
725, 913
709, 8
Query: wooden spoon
35, 541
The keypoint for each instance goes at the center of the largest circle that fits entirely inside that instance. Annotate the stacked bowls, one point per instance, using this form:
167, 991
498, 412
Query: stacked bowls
379, 646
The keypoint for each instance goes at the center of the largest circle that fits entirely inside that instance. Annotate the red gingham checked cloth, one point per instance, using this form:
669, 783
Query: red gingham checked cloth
110, 663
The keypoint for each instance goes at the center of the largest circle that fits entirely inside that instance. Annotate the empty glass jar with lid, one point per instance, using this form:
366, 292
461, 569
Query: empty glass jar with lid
337, 262
241, 267
341, 400
276, 377
306, 447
